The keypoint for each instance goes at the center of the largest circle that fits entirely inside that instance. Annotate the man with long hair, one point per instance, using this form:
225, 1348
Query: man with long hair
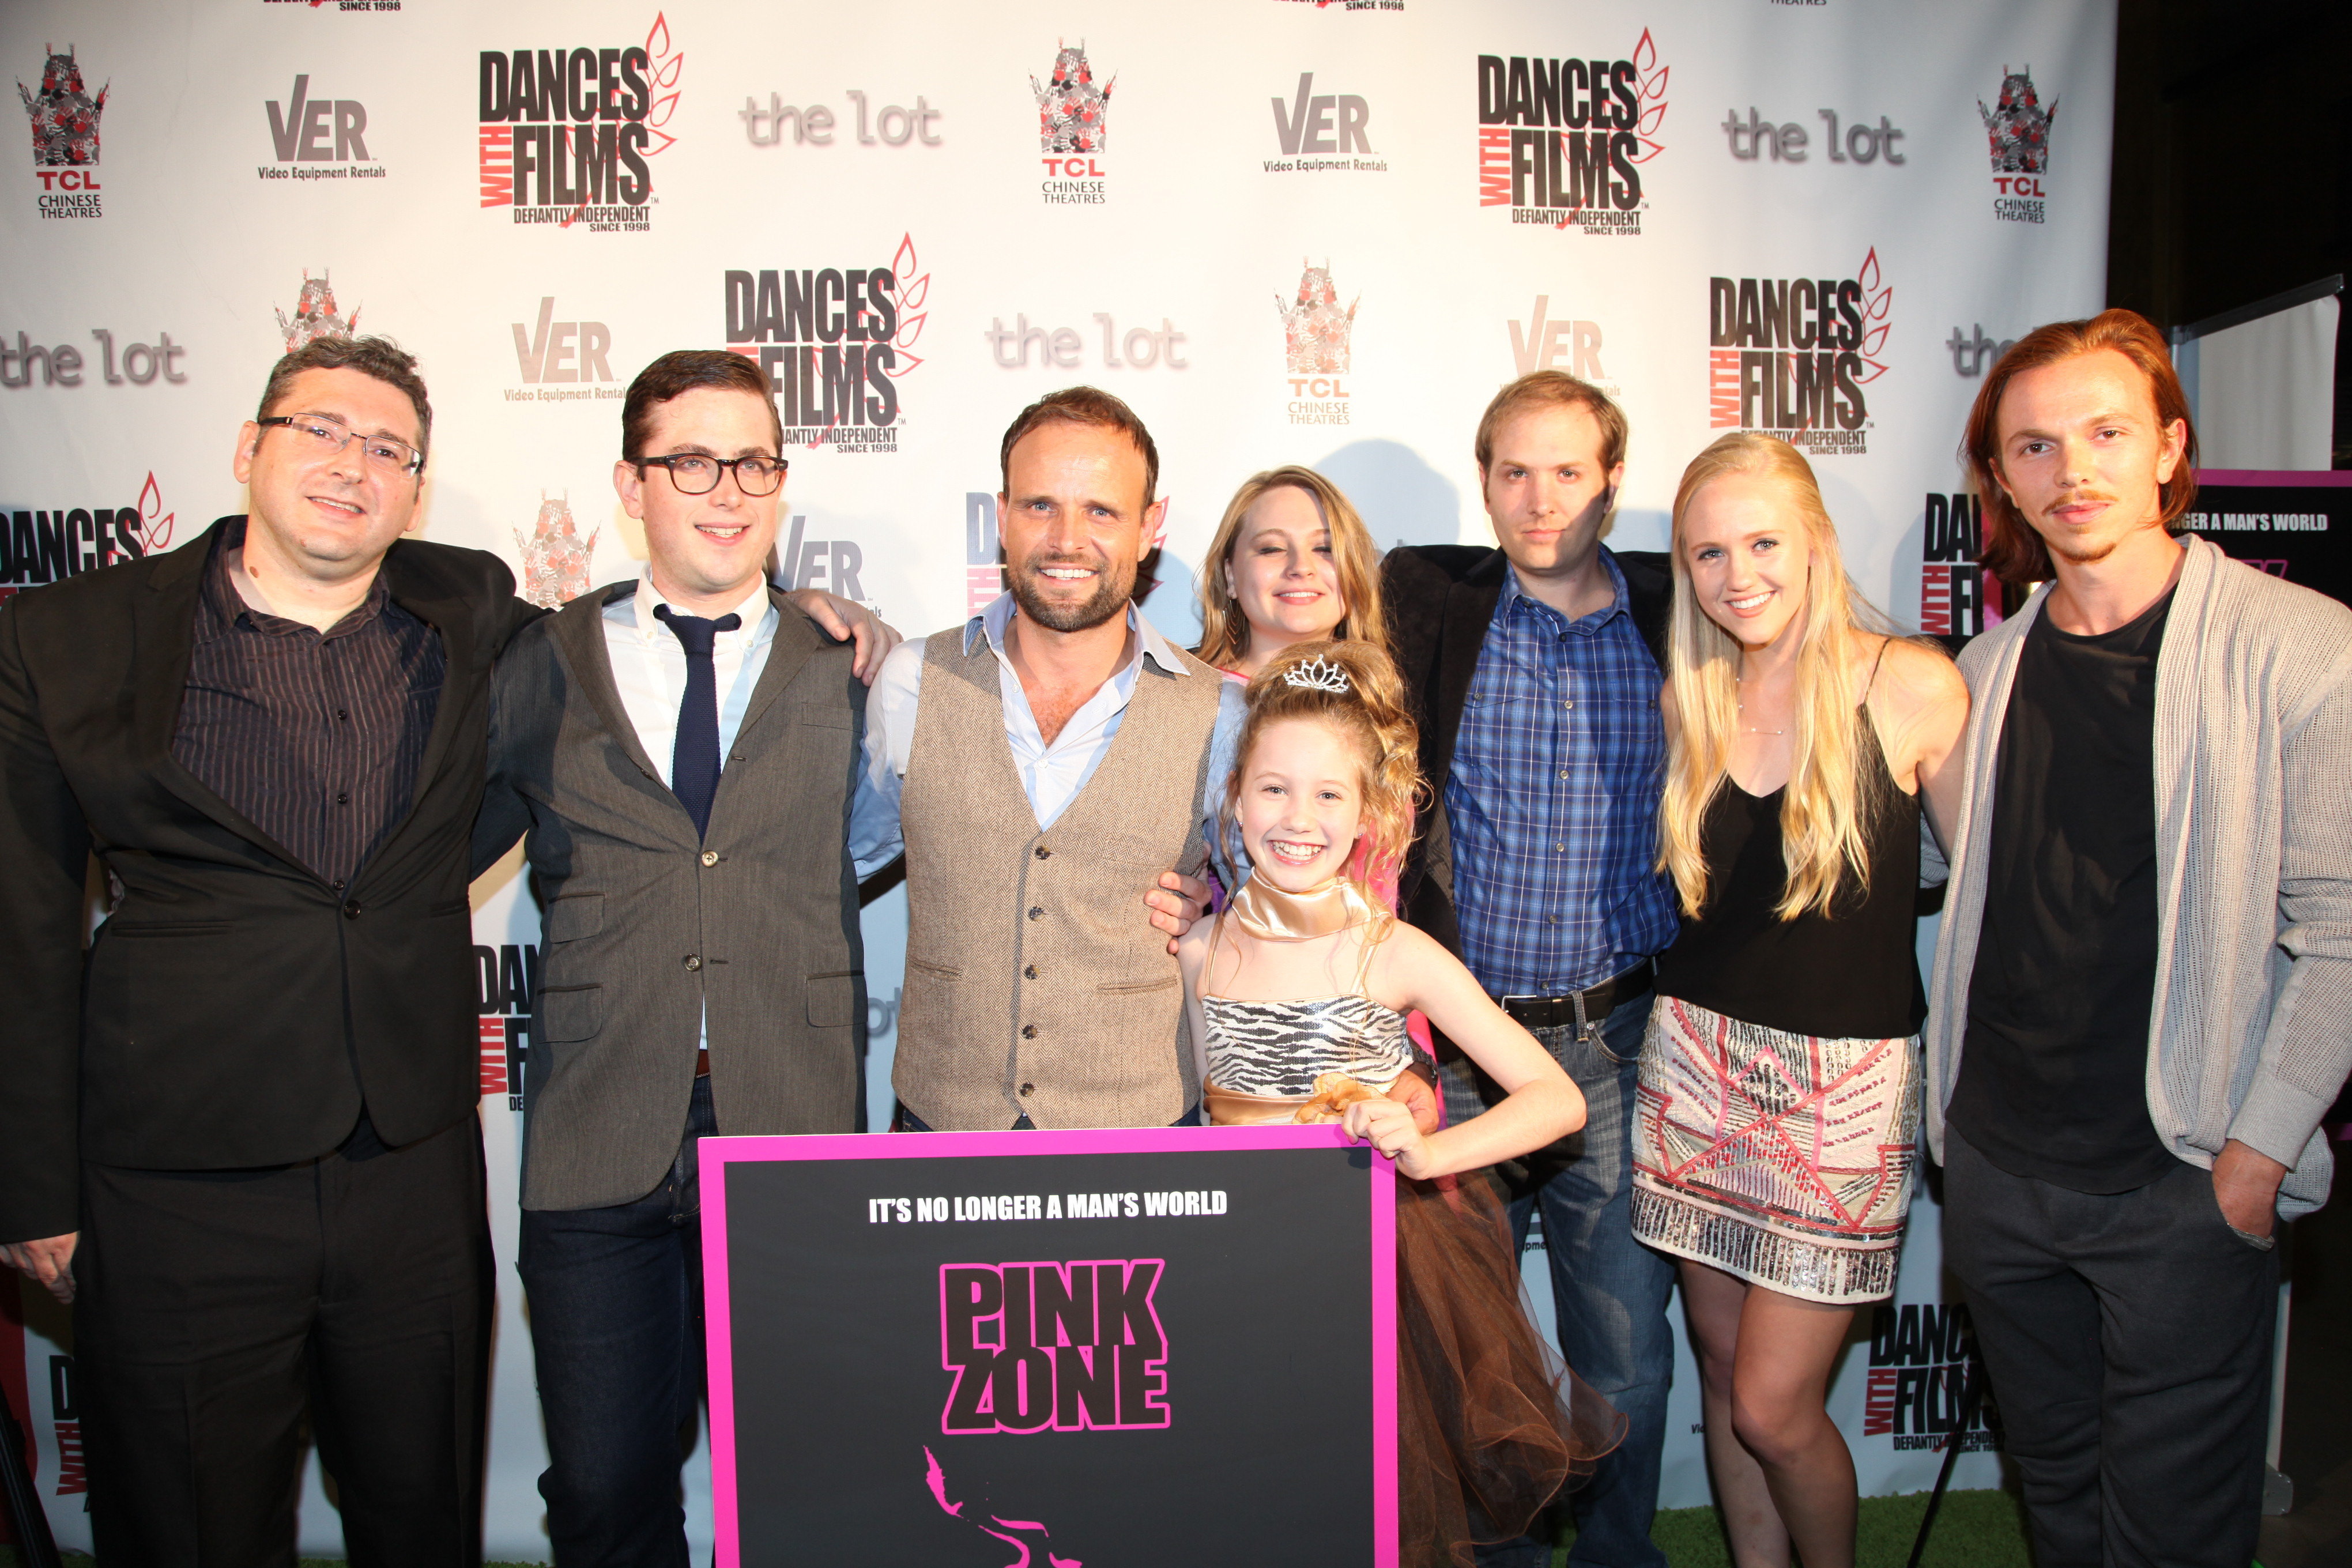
2145, 971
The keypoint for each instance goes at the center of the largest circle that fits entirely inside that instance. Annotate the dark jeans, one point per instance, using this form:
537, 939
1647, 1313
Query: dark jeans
217, 1305
1610, 1293
2127, 1340
616, 1332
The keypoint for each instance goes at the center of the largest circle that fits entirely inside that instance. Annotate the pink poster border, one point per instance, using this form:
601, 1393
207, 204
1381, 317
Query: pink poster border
717, 1153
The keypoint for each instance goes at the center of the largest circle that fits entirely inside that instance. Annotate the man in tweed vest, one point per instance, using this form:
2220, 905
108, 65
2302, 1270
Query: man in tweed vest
1057, 762
2143, 977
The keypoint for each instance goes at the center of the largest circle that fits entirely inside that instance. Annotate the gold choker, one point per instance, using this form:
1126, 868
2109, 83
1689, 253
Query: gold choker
1275, 914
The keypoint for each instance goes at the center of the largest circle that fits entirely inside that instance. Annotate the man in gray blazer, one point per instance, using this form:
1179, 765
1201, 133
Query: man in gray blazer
683, 752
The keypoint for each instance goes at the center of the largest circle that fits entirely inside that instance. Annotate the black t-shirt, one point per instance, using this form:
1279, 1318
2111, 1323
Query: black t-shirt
2053, 1068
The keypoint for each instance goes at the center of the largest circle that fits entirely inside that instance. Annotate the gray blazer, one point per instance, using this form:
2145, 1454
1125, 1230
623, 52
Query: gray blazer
646, 927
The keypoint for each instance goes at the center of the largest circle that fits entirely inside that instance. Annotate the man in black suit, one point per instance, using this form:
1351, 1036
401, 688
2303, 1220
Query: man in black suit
246, 1137
1535, 671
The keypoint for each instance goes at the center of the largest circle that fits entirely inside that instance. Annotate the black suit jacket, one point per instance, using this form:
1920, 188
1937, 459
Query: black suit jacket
235, 1008
1440, 599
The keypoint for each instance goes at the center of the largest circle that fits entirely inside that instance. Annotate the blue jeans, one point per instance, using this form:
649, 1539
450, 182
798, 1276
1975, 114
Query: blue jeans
1609, 1293
616, 1332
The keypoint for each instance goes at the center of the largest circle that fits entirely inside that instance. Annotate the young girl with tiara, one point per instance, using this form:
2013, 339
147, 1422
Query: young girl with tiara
1297, 993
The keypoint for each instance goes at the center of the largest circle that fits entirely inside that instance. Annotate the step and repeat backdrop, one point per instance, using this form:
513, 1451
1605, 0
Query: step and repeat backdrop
1286, 231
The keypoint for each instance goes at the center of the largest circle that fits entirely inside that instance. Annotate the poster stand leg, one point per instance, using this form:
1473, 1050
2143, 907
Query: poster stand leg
24, 1515
1970, 1397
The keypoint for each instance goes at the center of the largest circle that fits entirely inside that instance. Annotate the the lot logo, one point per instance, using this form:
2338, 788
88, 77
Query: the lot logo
314, 315
1063, 348
1972, 354
1545, 341
1790, 355
61, 365
65, 138
1953, 590
1919, 1361
554, 557
1063, 1347
1316, 348
37, 547
1073, 129
1562, 141
1322, 132
505, 979
317, 138
563, 362
565, 133
2018, 130
1862, 143
833, 342
894, 126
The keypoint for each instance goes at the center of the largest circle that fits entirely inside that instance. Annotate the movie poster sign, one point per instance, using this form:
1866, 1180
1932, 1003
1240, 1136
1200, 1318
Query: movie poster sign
1146, 1348
2291, 523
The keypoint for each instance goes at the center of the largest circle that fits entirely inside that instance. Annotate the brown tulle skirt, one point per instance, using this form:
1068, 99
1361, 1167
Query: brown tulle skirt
1490, 1425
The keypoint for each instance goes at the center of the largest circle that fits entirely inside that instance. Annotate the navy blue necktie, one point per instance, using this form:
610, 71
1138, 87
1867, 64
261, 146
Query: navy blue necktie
694, 761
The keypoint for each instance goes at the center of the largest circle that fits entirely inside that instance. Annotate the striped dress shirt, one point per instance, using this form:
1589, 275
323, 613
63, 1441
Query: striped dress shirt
315, 738
1553, 799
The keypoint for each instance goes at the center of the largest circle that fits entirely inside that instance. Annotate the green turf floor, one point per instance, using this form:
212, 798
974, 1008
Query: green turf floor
1973, 1529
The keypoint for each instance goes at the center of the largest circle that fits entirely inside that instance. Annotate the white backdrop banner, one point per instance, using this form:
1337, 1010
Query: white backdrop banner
1285, 231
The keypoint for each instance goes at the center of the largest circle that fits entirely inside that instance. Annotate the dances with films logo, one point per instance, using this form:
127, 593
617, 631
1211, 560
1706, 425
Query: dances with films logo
65, 138
2018, 131
1073, 131
505, 979
834, 343
37, 547
1316, 348
1955, 598
1920, 1358
1562, 141
565, 133
1791, 356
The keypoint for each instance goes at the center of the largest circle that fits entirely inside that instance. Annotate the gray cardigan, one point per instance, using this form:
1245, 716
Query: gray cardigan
2250, 1034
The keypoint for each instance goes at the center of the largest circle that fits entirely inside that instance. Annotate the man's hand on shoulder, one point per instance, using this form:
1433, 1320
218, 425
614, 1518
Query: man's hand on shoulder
845, 620
48, 1260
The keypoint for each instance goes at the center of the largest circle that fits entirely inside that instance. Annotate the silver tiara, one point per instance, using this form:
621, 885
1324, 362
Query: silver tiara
1317, 674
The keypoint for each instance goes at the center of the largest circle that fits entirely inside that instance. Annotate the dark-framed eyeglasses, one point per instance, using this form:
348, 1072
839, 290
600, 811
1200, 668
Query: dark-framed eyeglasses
695, 474
323, 435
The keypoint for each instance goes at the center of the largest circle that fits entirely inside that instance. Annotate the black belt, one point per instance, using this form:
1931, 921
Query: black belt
1583, 1009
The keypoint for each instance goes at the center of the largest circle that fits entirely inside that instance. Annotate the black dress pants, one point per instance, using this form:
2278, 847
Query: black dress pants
2127, 1337
216, 1306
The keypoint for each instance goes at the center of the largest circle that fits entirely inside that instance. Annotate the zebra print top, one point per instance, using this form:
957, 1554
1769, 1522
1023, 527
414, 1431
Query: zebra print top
1278, 1048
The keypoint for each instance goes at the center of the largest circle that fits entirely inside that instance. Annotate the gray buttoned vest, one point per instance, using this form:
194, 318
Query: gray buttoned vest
1035, 984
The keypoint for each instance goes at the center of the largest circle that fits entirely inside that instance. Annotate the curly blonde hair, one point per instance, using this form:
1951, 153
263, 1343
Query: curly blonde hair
1371, 710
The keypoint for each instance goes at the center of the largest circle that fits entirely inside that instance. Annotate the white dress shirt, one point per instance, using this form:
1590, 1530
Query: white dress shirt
649, 666
1052, 774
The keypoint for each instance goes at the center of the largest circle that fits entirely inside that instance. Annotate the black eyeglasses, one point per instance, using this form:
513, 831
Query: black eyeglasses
324, 435
697, 475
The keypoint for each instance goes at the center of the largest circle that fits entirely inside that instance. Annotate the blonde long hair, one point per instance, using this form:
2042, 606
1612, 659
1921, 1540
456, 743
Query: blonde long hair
1225, 628
1826, 812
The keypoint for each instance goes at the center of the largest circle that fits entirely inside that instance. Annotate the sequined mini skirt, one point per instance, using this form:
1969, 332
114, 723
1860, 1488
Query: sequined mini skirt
1786, 1160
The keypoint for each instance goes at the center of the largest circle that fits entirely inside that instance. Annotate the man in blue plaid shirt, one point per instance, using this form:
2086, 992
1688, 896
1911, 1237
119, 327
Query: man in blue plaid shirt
1535, 668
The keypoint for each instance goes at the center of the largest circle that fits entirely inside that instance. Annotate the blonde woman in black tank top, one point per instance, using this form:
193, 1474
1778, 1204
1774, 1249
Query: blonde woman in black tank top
1778, 1103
